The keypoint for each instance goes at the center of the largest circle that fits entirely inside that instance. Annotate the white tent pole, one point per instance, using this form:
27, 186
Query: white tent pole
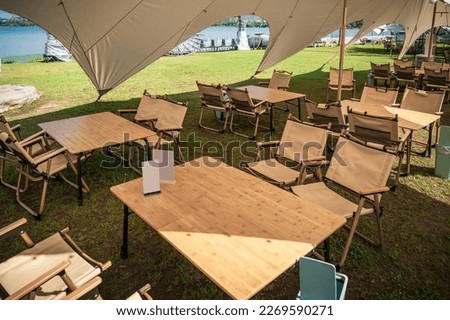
430, 47
342, 49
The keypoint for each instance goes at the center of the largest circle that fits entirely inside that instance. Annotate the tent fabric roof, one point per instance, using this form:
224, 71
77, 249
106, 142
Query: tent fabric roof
114, 39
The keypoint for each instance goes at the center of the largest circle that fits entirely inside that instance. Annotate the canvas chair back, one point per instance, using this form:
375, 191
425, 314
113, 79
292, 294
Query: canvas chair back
375, 129
212, 95
378, 96
324, 114
171, 114
347, 77
149, 107
422, 101
432, 65
358, 167
280, 79
301, 141
405, 73
403, 63
9, 143
240, 99
436, 77
380, 70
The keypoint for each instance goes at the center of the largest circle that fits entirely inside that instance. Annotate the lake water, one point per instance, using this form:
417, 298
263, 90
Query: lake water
22, 41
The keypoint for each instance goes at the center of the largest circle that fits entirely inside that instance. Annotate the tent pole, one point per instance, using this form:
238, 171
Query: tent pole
342, 48
430, 47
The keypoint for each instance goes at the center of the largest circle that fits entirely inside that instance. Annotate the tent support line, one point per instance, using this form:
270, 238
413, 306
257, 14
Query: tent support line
61, 3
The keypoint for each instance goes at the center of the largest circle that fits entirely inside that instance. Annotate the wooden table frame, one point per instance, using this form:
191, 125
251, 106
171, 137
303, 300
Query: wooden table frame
87, 133
274, 96
239, 230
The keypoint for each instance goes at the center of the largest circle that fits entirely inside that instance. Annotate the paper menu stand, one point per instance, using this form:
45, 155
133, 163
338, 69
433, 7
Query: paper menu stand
165, 160
150, 178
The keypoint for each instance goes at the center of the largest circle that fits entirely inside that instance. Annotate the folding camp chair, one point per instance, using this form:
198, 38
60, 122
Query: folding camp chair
280, 80
348, 82
378, 96
427, 102
167, 129
213, 98
242, 104
436, 80
327, 115
380, 130
381, 72
302, 145
320, 281
54, 268
363, 171
405, 75
147, 112
6, 155
142, 293
43, 167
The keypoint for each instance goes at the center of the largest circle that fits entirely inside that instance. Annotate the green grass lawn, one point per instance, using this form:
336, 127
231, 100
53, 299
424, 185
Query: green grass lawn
413, 264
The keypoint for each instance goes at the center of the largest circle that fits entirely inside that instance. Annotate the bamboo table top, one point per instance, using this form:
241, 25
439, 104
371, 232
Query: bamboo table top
240, 231
407, 119
272, 96
94, 131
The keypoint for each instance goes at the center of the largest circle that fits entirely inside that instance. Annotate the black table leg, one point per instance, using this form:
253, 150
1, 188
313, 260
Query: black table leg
327, 249
124, 247
79, 180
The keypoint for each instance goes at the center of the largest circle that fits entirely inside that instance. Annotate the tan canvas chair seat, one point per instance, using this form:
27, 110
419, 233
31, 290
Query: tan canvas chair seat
18, 273
318, 192
301, 147
57, 163
275, 171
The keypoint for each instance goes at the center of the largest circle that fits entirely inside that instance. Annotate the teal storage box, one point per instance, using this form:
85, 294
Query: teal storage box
442, 165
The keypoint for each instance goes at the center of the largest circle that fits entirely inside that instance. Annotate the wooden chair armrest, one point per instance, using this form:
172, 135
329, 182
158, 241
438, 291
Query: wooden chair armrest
169, 129
315, 162
29, 142
267, 144
39, 281
65, 234
48, 155
259, 103
439, 113
84, 289
354, 99
33, 136
16, 128
122, 111
144, 291
374, 191
13, 228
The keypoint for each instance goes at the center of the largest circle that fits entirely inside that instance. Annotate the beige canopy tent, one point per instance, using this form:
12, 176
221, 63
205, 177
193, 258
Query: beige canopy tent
114, 39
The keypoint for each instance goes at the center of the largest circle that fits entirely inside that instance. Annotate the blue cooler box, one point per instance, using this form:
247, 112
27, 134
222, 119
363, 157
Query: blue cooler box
442, 165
